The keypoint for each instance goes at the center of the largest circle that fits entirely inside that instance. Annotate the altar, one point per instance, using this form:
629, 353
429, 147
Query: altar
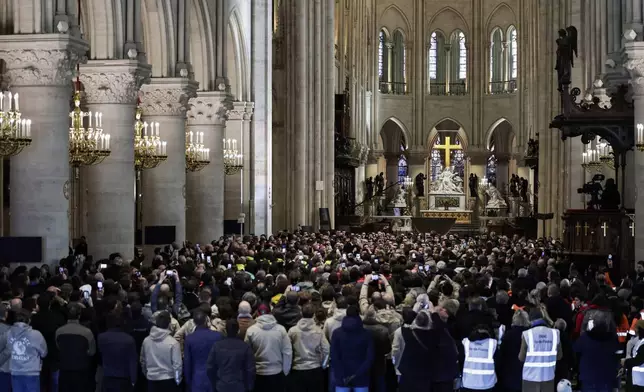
447, 200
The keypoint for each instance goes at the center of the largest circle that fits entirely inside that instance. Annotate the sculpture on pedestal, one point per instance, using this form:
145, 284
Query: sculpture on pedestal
524, 189
380, 184
420, 184
401, 200
447, 182
369, 185
473, 184
566, 52
514, 185
496, 200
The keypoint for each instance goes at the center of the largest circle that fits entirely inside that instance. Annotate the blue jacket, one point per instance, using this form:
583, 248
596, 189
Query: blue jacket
598, 363
196, 350
118, 353
231, 366
352, 353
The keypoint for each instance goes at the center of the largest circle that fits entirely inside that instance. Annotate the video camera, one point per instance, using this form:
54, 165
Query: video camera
594, 189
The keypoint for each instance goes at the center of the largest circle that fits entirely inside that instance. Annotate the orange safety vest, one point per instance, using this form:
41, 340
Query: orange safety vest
622, 330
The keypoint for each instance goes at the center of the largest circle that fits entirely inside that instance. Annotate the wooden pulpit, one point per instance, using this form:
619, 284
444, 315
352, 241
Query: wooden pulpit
595, 234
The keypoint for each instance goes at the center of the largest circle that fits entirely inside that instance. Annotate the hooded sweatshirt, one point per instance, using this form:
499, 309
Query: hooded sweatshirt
161, 356
271, 346
5, 355
334, 322
310, 346
27, 347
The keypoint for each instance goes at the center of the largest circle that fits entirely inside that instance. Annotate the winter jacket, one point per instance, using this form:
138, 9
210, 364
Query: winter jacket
231, 366
598, 363
161, 356
187, 329
244, 323
287, 315
27, 349
77, 344
271, 346
334, 322
352, 353
47, 323
382, 345
6, 354
310, 346
118, 353
197, 349
508, 367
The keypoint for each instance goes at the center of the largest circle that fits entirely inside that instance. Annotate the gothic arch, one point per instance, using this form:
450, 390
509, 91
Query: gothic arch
102, 23
448, 19
502, 16
433, 133
237, 44
158, 39
388, 139
504, 134
494, 30
402, 32
397, 21
201, 49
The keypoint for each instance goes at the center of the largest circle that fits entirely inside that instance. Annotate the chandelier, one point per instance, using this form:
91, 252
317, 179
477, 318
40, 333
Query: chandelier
87, 146
149, 149
639, 140
606, 155
233, 160
15, 131
197, 156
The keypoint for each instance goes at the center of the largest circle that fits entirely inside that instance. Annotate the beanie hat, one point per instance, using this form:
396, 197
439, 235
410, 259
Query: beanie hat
263, 309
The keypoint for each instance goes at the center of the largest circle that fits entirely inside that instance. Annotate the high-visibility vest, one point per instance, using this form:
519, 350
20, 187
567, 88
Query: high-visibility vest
638, 371
478, 368
541, 354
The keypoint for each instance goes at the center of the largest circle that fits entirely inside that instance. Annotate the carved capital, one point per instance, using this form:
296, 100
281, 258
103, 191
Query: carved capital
41, 59
209, 107
167, 96
113, 81
373, 156
634, 64
241, 111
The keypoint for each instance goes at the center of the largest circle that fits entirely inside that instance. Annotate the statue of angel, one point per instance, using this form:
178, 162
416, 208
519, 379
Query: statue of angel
566, 52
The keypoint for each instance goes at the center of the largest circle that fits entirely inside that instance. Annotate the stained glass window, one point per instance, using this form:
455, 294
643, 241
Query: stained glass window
462, 57
435, 165
381, 54
433, 56
458, 161
513, 53
402, 168
490, 170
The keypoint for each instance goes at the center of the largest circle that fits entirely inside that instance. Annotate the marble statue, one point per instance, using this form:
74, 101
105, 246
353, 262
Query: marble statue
496, 200
400, 200
447, 182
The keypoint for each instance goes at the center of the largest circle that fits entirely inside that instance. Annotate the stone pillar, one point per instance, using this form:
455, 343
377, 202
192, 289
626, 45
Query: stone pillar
165, 101
111, 87
372, 164
39, 68
634, 178
391, 173
416, 162
477, 160
502, 172
204, 189
233, 194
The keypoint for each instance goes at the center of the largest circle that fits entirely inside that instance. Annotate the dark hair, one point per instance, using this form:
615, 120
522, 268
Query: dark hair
341, 302
353, 311
22, 316
308, 311
163, 319
74, 311
200, 318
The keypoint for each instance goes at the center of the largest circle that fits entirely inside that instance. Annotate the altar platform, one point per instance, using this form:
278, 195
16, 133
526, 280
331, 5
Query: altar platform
461, 216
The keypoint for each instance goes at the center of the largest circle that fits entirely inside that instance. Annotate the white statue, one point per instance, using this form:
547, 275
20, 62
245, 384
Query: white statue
496, 200
447, 182
401, 200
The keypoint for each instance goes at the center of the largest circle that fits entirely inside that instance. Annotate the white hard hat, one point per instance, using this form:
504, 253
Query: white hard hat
564, 386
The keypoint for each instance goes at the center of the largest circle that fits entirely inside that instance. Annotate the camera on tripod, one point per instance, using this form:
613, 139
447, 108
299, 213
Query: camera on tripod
594, 189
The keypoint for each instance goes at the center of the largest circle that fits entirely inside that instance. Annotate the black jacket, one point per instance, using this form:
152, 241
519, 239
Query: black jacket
78, 345
231, 366
508, 367
47, 323
382, 347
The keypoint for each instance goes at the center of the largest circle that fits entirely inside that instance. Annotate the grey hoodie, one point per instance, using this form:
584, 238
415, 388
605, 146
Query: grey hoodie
333, 323
310, 347
5, 355
161, 356
26, 348
271, 346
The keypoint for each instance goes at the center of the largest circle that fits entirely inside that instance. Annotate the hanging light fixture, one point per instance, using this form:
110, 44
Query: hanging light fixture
197, 156
15, 131
87, 145
233, 159
149, 149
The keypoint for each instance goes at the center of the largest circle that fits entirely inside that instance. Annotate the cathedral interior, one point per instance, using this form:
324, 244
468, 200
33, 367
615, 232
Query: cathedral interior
193, 119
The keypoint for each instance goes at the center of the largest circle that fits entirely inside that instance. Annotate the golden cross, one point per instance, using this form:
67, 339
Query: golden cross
448, 147
586, 228
632, 227
578, 227
604, 227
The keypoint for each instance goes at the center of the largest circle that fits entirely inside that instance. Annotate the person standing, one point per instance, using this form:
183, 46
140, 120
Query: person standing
540, 350
478, 367
78, 345
5, 356
310, 351
28, 348
196, 351
231, 363
352, 353
273, 352
161, 357
118, 353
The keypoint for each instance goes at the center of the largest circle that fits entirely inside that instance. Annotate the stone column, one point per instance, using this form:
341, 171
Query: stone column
372, 163
634, 178
416, 162
233, 183
204, 189
502, 172
39, 68
391, 173
111, 87
165, 101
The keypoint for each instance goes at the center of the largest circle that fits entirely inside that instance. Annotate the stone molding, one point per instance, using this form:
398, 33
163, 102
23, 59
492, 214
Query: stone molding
113, 81
241, 111
373, 156
416, 157
634, 64
208, 108
41, 59
167, 96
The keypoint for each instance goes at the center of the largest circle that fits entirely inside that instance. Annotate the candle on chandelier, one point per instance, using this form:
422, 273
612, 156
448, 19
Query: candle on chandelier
90, 118
17, 106
640, 133
145, 129
1, 101
100, 120
234, 144
163, 149
156, 124
10, 101
224, 144
207, 154
201, 136
107, 138
190, 135
28, 128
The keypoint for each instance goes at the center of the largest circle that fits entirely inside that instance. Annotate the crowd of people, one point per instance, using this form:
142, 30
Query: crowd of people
316, 312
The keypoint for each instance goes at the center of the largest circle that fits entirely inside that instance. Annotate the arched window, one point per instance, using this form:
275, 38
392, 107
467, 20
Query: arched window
458, 64
490, 169
512, 54
383, 62
447, 151
436, 64
496, 62
403, 169
398, 65
435, 165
